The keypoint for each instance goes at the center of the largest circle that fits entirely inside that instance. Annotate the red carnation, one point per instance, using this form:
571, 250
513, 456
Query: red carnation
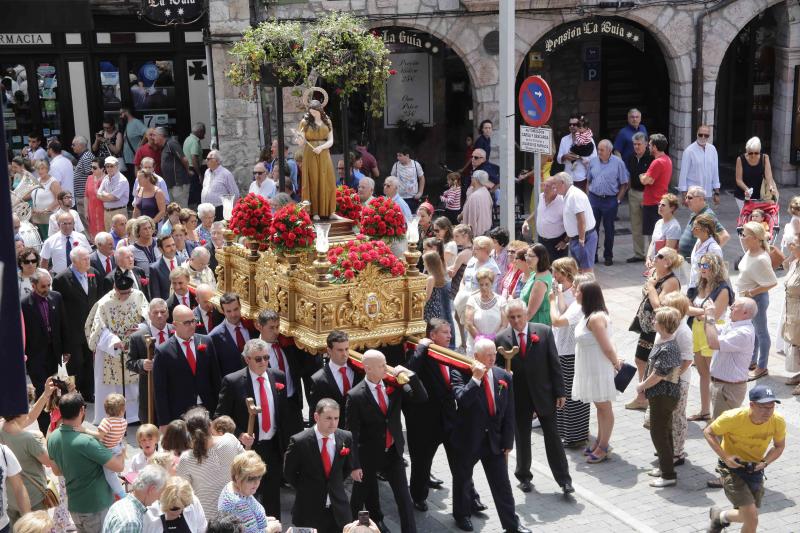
345, 451
201, 348
90, 275
534, 338
76, 243
502, 383
144, 282
280, 386
392, 72
389, 389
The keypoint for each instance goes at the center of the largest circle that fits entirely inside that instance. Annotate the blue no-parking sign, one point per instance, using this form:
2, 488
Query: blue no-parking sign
535, 101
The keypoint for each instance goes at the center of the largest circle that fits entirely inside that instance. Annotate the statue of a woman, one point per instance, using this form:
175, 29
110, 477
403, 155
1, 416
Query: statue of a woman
319, 181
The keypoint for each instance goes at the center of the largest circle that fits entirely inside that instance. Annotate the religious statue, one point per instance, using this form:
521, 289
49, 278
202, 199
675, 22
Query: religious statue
316, 135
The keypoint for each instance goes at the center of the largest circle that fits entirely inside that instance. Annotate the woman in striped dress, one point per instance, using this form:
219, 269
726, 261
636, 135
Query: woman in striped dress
565, 313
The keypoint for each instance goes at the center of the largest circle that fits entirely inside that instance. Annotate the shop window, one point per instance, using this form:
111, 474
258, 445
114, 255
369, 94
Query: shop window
153, 91
110, 88
16, 106
47, 83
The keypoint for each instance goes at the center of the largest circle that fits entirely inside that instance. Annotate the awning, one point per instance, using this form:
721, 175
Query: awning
45, 16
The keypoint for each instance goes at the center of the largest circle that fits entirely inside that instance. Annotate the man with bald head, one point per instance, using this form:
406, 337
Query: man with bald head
56, 249
608, 180
79, 289
378, 441
185, 370
206, 312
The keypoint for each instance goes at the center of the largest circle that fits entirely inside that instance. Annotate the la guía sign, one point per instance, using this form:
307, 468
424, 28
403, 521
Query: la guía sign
166, 12
585, 29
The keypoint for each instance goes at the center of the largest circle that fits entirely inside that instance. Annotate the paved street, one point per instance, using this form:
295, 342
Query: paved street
614, 496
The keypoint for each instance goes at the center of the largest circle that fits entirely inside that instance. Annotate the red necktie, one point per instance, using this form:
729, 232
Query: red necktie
210, 315
171, 265
487, 388
239, 338
190, 357
161, 338
326, 458
445, 374
345, 381
384, 410
265, 420
108, 265
279, 355
522, 344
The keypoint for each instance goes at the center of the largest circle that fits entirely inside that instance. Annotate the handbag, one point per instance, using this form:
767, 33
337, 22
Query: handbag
38, 218
644, 320
766, 194
624, 376
776, 257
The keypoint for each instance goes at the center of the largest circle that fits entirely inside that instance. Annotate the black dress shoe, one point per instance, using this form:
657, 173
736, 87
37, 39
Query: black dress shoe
421, 505
434, 482
568, 488
519, 529
478, 506
382, 527
464, 524
635, 259
525, 486
608, 262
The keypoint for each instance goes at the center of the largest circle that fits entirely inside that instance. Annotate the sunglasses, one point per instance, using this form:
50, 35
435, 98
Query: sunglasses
176, 509
689, 197
29, 261
573, 124
477, 157
705, 266
704, 135
258, 173
753, 153
660, 256
110, 166
259, 358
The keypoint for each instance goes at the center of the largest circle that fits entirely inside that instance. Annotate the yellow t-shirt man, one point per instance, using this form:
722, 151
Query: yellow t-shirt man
744, 439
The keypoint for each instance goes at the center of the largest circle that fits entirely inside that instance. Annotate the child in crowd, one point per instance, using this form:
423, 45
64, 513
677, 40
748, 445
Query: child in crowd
147, 438
584, 143
759, 216
111, 432
223, 424
176, 438
451, 198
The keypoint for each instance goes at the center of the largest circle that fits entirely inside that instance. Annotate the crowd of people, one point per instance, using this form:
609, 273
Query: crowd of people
238, 411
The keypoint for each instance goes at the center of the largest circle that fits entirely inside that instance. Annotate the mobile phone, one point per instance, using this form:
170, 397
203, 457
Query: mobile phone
363, 518
302, 530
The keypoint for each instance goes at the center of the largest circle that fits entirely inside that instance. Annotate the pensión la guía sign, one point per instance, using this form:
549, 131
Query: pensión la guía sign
593, 28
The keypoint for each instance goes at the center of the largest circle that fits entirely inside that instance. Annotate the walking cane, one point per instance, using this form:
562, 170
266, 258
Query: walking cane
150, 342
253, 411
508, 355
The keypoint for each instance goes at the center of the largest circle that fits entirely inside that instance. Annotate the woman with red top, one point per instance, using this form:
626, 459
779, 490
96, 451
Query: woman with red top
656, 182
94, 206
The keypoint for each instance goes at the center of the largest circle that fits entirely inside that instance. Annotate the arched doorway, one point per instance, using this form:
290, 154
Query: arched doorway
429, 107
602, 67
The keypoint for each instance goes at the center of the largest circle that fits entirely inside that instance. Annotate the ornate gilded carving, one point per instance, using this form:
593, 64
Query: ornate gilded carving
305, 312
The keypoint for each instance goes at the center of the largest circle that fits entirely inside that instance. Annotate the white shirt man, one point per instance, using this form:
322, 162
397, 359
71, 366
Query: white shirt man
270, 399
61, 169
53, 228
281, 363
700, 166
337, 374
550, 216
576, 169
576, 201
56, 248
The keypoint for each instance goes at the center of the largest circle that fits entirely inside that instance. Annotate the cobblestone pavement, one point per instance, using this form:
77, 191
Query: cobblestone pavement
614, 496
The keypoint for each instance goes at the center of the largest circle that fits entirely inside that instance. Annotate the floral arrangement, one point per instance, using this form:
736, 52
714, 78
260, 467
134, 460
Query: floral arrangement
251, 218
383, 219
354, 256
348, 204
292, 229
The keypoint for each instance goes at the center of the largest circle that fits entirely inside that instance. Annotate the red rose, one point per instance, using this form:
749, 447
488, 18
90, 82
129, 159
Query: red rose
76, 243
534, 338
345, 451
392, 72
280, 386
502, 383
90, 275
202, 242
144, 282
389, 389
201, 348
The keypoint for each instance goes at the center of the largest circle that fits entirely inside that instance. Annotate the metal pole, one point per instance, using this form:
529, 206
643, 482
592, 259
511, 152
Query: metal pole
281, 157
507, 115
537, 187
212, 96
345, 139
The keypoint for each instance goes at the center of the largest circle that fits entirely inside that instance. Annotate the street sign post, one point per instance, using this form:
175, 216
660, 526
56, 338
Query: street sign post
536, 105
535, 140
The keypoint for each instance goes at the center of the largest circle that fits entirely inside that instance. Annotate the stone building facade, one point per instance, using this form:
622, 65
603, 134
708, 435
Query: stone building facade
464, 25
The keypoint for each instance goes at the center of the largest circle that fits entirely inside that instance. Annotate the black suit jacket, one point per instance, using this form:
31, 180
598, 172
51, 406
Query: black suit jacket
159, 278
44, 351
323, 385
212, 262
369, 425
474, 422
216, 318
303, 469
79, 304
139, 274
228, 355
137, 353
172, 303
538, 378
94, 262
235, 390
441, 405
176, 388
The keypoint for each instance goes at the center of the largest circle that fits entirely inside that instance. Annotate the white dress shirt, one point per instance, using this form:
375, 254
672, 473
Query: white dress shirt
54, 249
61, 169
699, 167
53, 227
116, 186
256, 389
274, 364
232, 330
182, 344
331, 445
732, 361
267, 189
550, 217
337, 375
154, 331
576, 201
216, 183
577, 169
103, 258
206, 316
183, 299
373, 389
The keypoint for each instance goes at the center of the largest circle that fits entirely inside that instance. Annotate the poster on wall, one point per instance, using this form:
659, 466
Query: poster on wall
409, 92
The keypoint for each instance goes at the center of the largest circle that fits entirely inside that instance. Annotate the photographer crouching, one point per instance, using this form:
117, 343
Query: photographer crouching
746, 433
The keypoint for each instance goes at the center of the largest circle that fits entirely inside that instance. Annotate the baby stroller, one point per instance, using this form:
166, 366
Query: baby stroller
771, 219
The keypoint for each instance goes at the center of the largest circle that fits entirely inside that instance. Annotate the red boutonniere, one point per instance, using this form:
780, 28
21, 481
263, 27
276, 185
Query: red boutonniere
345, 451
144, 282
502, 384
202, 242
534, 338
90, 276
389, 389
76, 243
280, 386
201, 348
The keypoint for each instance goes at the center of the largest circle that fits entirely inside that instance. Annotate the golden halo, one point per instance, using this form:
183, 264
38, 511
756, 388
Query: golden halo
310, 92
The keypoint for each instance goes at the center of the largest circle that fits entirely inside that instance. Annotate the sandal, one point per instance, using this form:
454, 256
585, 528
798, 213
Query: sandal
700, 417
594, 459
589, 449
796, 391
758, 374
794, 380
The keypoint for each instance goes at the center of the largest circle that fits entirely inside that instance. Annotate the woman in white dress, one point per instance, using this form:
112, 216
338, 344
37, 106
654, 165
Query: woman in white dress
485, 310
596, 363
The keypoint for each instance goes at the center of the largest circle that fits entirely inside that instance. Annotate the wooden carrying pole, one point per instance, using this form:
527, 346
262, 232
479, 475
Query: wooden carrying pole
253, 411
446, 353
357, 357
150, 342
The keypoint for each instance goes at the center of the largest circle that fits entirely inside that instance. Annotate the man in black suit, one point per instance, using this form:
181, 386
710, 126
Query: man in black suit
206, 312
290, 360
267, 387
484, 432
45, 334
316, 464
124, 257
160, 270
231, 335
179, 281
373, 416
79, 292
185, 370
431, 423
137, 360
335, 379
539, 387
102, 260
